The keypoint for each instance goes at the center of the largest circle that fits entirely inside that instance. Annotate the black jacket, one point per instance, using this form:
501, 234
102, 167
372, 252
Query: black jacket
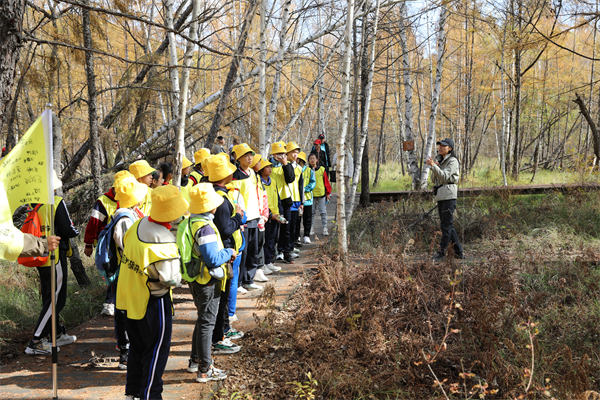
323, 156
225, 223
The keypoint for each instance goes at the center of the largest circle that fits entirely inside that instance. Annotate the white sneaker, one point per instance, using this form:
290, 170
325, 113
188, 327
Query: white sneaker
251, 286
130, 397
233, 318
325, 232
273, 267
312, 231
279, 256
39, 348
306, 240
294, 255
108, 310
260, 276
266, 270
296, 250
242, 290
65, 339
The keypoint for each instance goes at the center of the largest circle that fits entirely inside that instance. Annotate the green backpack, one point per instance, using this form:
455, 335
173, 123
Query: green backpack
191, 262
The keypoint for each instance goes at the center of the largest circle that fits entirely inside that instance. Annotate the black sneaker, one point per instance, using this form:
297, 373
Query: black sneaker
438, 257
123, 360
287, 257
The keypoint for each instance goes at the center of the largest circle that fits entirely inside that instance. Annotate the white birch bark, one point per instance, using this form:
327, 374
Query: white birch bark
173, 71
504, 115
341, 150
185, 85
437, 89
242, 78
365, 122
321, 94
413, 166
262, 90
278, 69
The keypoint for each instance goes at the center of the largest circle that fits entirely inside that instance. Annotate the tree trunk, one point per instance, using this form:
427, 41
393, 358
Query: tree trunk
173, 61
341, 148
435, 100
92, 97
231, 75
183, 101
579, 101
11, 27
381, 130
262, 83
413, 166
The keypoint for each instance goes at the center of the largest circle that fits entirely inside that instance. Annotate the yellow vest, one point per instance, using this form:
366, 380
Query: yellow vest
306, 176
273, 197
319, 190
133, 292
44, 216
197, 176
237, 235
146, 203
205, 277
185, 190
283, 188
294, 185
109, 205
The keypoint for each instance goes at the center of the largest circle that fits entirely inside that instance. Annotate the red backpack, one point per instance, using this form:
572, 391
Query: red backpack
33, 226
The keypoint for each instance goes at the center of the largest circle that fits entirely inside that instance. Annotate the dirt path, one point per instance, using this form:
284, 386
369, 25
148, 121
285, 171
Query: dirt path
30, 377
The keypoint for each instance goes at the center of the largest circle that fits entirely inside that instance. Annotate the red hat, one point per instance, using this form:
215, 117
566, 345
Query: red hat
318, 141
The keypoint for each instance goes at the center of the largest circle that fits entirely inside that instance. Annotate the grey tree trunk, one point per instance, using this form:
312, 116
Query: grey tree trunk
262, 83
92, 100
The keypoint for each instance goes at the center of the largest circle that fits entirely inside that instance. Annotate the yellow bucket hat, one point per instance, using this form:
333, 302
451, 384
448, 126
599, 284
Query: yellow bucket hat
201, 155
219, 167
242, 149
263, 163
255, 160
167, 204
203, 198
186, 163
302, 156
141, 168
129, 192
291, 146
278, 148
122, 174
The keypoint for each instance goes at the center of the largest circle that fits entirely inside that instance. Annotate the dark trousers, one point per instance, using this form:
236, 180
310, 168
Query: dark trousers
44, 326
446, 211
149, 349
260, 261
271, 230
111, 293
206, 298
222, 324
283, 244
250, 260
121, 327
293, 232
307, 220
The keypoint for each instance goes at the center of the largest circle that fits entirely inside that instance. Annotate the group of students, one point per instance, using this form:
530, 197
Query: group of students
231, 222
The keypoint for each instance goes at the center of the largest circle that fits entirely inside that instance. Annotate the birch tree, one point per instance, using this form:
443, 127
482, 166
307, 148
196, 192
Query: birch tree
435, 100
173, 60
262, 77
185, 84
341, 150
367, 107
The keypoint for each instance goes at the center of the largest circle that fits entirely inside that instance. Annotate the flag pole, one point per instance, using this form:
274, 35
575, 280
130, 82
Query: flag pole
53, 282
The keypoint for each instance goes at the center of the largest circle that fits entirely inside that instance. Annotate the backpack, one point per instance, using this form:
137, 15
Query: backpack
191, 263
32, 225
107, 261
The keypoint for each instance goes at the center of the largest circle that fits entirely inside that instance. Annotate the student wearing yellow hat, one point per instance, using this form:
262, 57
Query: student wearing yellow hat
283, 175
197, 173
273, 220
186, 182
245, 157
129, 194
207, 288
229, 218
149, 271
142, 171
308, 177
102, 212
297, 188
63, 228
263, 206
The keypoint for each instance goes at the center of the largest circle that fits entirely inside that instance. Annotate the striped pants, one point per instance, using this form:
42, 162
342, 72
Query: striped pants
43, 326
149, 346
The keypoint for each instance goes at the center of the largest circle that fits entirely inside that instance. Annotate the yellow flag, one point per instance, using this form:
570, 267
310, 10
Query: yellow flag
25, 177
